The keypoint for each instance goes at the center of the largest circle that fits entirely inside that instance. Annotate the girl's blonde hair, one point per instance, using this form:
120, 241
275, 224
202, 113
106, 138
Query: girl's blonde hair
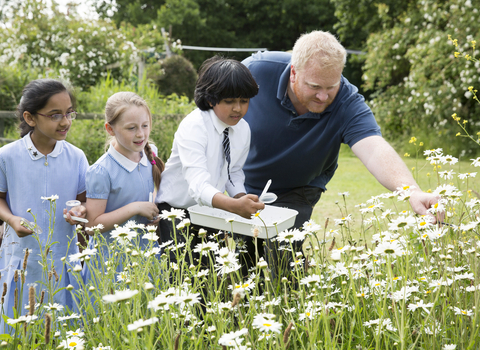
116, 105
322, 47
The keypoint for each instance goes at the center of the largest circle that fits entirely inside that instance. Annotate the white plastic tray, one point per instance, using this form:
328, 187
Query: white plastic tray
283, 218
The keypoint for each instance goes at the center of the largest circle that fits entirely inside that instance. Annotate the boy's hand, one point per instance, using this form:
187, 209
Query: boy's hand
247, 205
16, 223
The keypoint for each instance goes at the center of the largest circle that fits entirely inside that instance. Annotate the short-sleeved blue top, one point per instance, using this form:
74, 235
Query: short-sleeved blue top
120, 181
293, 150
26, 175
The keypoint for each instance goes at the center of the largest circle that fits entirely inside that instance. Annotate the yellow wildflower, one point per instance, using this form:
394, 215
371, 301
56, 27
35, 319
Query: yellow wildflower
470, 88
413, 139
457, 54
406, 155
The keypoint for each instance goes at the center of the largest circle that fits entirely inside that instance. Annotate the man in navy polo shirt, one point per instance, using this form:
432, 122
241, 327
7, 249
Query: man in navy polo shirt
304, 111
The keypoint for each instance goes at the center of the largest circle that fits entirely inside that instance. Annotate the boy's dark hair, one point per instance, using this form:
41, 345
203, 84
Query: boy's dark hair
35, 96
220, 78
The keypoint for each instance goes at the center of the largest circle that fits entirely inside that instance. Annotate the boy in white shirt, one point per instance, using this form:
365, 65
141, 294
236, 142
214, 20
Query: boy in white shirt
211, 146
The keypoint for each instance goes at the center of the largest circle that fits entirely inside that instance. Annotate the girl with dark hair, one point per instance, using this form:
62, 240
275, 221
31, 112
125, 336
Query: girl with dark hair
39, 166
120, 183
211, 146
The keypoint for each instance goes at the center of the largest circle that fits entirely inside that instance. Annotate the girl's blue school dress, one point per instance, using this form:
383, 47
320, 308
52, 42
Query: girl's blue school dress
26, 175
120, 181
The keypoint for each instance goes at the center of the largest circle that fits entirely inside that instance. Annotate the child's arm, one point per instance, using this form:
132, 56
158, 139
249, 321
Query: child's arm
242, 204
96, 213
12, 220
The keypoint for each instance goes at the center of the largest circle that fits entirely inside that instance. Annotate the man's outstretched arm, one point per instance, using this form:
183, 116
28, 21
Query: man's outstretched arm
389, 169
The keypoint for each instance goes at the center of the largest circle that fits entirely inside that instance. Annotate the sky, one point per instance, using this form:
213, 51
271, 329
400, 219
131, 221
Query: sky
85, 9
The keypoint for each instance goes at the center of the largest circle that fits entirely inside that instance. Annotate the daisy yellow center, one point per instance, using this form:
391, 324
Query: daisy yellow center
245, 285
395, 278
370, 207
238, 287
307, 313
72, 344
406, 187
423, 223
267, 324
75, 333
464, 312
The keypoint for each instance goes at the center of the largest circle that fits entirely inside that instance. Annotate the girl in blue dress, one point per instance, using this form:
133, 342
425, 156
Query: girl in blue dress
120, 183
38, 166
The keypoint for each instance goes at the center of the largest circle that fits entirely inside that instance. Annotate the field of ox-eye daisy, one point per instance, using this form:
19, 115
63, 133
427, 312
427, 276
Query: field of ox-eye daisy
414, 284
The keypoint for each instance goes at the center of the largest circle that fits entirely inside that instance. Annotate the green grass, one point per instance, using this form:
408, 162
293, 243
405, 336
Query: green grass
352, 176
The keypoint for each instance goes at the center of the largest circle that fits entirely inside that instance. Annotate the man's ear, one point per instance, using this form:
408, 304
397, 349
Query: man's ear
109, 129
293, 74
29, 119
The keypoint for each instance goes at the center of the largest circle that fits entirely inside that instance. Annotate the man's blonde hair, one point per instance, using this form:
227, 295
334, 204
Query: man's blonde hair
322, 46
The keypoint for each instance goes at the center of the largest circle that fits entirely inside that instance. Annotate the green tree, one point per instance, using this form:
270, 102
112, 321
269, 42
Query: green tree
272, 24
68, 47
411, 69
134, 12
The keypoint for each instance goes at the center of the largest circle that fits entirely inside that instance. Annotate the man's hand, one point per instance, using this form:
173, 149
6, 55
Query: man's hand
421, 201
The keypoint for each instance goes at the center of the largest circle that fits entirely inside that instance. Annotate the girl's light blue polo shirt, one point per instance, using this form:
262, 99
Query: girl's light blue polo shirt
120, 181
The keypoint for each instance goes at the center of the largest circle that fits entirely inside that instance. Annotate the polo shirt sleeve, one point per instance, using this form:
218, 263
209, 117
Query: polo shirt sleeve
361, 124
97, 182
192, 140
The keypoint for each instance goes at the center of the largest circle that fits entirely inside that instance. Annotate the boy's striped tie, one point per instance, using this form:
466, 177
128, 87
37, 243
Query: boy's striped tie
226, 151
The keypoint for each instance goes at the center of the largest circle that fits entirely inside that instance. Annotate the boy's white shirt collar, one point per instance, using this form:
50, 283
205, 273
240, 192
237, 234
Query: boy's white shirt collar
217, 123
128, 164
35, 153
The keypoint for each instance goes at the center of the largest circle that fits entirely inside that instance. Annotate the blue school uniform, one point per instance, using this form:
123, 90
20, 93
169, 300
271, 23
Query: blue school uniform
26, 175
120, 181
